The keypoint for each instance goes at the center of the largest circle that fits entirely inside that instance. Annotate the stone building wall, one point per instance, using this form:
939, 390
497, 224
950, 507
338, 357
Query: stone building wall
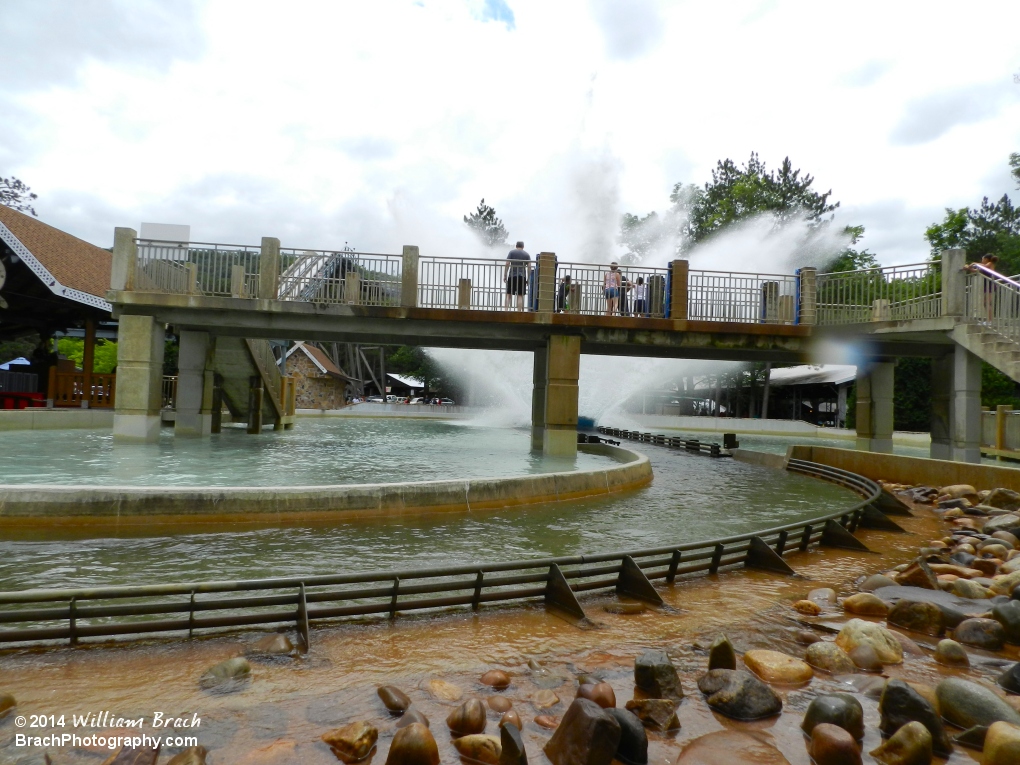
314, 389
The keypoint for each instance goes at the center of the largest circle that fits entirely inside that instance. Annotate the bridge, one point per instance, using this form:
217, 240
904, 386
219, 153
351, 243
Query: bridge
218, 296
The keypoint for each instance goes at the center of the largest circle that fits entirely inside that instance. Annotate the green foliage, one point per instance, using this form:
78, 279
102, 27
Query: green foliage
13, 349
852, 259
640, 235
16, 195
912, 395
484, 223
413, 361
997, 388
1014, 163
171, 350
104, 360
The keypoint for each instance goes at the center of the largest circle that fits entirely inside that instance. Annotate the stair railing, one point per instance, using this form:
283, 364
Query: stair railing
993, 300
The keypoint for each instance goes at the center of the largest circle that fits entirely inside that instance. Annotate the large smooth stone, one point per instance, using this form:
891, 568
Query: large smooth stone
954, 608
949, 653
394, 699
545, 699
468, 718
721, 654
655, 674
131, 755
1004, 499
865, 657
510, 717
859, 632
875, 581
601, 693
273, 645
1006, 584
918, 574
729, 747
958, 491
1009, 522
901, 704
1002, 744
496, 678
227, 674
1010, 678
7, 703
1008, 615
831, 745
445, 691
587, 735
739, 694
917, 616
499, 704
193, 755
354, 742
910, 745
777, 667
512, 746
633, 746
479, 747
840, 709
967, 704
657, 714
413, 745
980, 633
825, 596
411, 716
968, 589
830, 658
807, 607
865, 604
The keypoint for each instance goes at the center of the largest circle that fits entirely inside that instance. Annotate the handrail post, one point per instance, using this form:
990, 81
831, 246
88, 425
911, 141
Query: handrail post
409, 277
954, 282
125, 259
808, 284
546, 273
269, 268
73, 619
678, 296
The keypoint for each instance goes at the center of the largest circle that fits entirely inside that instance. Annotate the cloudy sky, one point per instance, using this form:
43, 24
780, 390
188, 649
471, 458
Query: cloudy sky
382, 123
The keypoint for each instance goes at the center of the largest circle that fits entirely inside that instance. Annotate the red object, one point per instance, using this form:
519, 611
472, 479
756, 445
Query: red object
20, 400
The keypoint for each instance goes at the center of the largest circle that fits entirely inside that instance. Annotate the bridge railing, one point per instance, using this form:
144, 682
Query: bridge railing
894, 293
994, 301
196, 268
581, 288
740, 297
347, 277
466, 283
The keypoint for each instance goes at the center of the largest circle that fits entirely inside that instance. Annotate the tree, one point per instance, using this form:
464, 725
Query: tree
487, 226
640, 235
16, 195
413, 361
851, 259
1014, 163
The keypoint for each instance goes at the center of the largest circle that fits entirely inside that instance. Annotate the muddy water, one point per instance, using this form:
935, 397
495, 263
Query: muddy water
279, 716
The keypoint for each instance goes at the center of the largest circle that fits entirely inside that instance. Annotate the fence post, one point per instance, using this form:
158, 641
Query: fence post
808, 313
954, 282
1000, 426
269, 268
352, 288
125, 259
237, 281
679, 290
464, 294
546, 274
409, 277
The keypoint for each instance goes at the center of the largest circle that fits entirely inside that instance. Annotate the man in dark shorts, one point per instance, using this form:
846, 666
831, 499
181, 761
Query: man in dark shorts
515, 274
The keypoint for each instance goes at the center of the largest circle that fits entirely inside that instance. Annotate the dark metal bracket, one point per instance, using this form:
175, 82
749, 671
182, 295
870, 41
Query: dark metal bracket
559, 595
634, 583
762, 557
873, 518
836, 536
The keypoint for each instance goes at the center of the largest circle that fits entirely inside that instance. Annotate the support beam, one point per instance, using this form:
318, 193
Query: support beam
140, 341
635, 584
762, 557
834, 535
564, 363
546, 275
966, 409
269, 268
538, 396
409, 277
256, 396
873, 518
941, 422
875, 407
88, 362
194, 401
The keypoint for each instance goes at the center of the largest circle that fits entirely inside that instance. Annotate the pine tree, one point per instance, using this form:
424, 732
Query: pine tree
16, 195
487, 226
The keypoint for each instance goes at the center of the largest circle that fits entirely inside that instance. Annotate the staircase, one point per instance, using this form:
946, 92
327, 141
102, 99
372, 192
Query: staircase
990, 346
236, 361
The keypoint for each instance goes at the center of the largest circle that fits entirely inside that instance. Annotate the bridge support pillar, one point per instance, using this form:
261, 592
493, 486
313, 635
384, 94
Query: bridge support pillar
194, 386
538, 399
875, 407
563, 362
140, 341
966, 406
942, 407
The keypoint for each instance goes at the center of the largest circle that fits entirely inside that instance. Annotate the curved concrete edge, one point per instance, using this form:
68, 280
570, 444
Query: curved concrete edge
23, 506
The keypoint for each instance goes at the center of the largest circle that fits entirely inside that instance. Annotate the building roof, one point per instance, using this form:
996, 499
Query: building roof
410, 382
67, 265
320, 359
813, 374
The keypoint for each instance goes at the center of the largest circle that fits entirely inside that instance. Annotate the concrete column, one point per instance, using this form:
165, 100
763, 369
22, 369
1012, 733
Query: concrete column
564, 363
808, 296
125, 259
546, 274
194, 402
678, 290
140, 342
409, 277
538, 399
875, 407
966, 409
941, 408
954, 282
269, 268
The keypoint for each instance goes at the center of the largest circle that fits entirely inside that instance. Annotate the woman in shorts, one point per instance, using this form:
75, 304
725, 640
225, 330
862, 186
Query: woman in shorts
612, 283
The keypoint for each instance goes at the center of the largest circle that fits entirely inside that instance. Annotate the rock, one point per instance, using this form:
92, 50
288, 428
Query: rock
588, 735
728, 747
955, 504
830, 658
967, 704
273, 645
777, 667
445, 691
193, 755
1002, 744
657, 714
1008, 615
1004, 499
394, 699
276, 753
875, 581
823, 596
917, 616
807, 637
1011, 540
954, 608
721, 654
831, 745
865, 604
1010, 678
963, 557
980, 633
625, 608
547, 721
840, 709
655, 674
478, 747
958, 491
918, 574
1009, 522
972, 738
1005, 585
545, 699
412, 716
901, 704
951, 654
510, 717
512, 746
496, 678
910, 745
413, 745
739, 694
601, 693
807, 607
968, 589
865, 657
352, 743
499, 704
131, 755
633, 746
468, 718
7, 703
857, 632
227, 675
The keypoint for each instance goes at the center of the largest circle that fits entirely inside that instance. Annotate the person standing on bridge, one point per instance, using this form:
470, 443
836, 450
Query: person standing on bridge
515, 274
612, 283
988, 262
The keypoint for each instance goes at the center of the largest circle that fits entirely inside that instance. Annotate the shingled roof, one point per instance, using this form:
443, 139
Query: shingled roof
67, 265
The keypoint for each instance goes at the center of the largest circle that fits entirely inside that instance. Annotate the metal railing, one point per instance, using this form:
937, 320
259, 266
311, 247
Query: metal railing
894, 293
219, 270
73, 614
168, 398
993, 300
673, 442
739, 297
470, 283
582, 288
346, 277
